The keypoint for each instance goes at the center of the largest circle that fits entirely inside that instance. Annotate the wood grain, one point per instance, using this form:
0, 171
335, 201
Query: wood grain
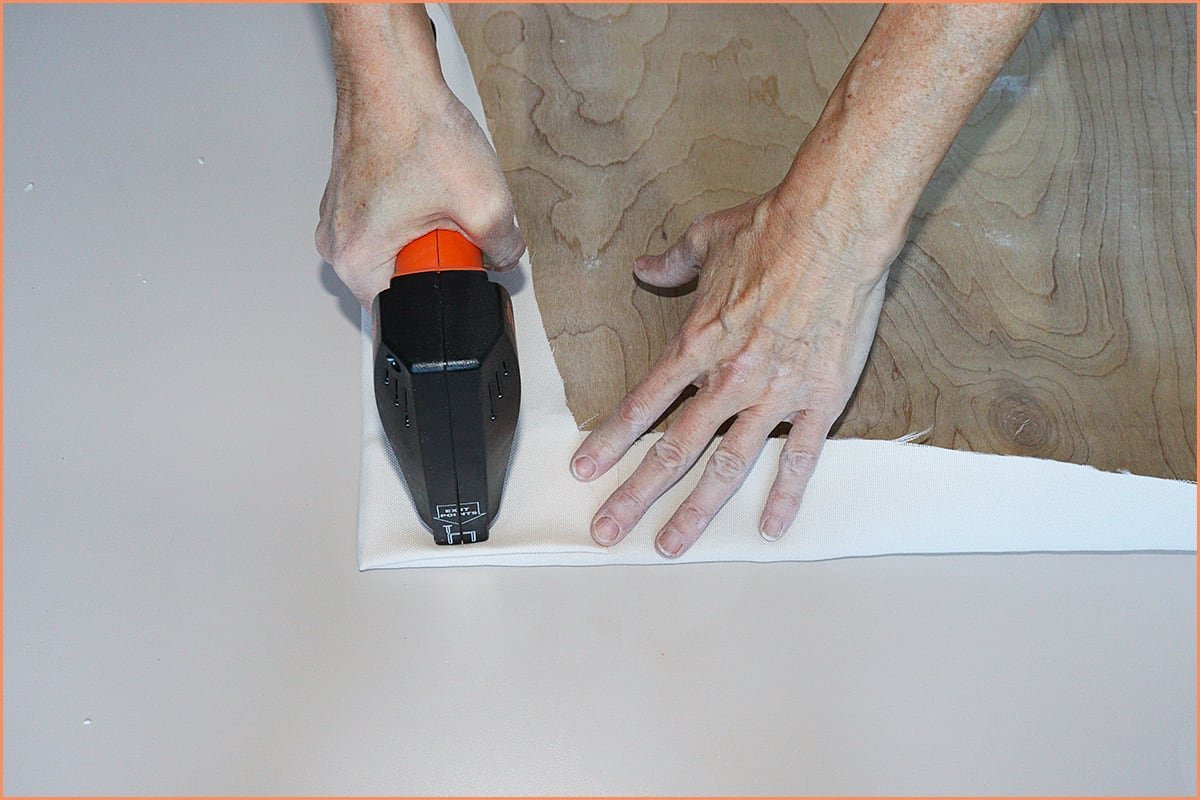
1045, 302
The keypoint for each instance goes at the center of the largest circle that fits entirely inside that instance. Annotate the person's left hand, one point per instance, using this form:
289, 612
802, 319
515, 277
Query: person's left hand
785, 311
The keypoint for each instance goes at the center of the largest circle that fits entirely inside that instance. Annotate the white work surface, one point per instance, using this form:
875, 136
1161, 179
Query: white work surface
182, 611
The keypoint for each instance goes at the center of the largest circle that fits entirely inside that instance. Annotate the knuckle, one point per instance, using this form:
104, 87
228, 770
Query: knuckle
340, 251
516, 246
687, 345
727, 464
669, 455
633, 412
799, 462
761, 215
784, 500
693, 516
680, 261
321, 239
340, 254
694, 343
736, 373
626, 504
341, 248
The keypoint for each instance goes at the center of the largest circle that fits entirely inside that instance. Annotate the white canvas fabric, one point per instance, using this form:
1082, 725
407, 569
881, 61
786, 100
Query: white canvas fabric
866, 498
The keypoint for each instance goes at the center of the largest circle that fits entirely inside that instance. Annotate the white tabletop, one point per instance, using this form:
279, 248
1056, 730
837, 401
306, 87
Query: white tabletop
182, 612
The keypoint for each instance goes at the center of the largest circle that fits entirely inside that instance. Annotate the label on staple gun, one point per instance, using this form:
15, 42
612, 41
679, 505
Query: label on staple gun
461, 513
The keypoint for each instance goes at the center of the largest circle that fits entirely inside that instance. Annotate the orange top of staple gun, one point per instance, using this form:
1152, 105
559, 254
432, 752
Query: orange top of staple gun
438, 251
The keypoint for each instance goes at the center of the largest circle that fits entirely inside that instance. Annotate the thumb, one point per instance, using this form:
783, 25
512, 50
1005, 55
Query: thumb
680, 264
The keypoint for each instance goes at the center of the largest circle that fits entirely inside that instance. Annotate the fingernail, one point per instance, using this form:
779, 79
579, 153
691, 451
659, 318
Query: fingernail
771, 529
670, 543
583, 468
605, 531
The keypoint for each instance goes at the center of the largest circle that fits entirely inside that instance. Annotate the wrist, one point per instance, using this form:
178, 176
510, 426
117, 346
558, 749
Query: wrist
383, 54
895, 111
846, 171
837, 199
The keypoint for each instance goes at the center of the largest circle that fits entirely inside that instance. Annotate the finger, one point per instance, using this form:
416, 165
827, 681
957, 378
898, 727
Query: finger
679, 264
665, 463
675, 369
724, 473
495, 232
796, 465
364, 273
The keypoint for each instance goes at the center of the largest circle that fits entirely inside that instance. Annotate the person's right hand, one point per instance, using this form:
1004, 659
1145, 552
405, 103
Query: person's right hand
404, 167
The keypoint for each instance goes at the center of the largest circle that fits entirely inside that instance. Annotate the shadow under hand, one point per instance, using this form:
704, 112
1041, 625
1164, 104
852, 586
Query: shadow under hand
347, 303
668, 291
513, 280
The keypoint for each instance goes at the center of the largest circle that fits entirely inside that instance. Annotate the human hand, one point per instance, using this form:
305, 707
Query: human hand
406, 160
791, 283
786, 308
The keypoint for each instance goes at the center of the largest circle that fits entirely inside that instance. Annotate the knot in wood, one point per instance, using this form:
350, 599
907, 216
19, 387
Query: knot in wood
1021, 419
